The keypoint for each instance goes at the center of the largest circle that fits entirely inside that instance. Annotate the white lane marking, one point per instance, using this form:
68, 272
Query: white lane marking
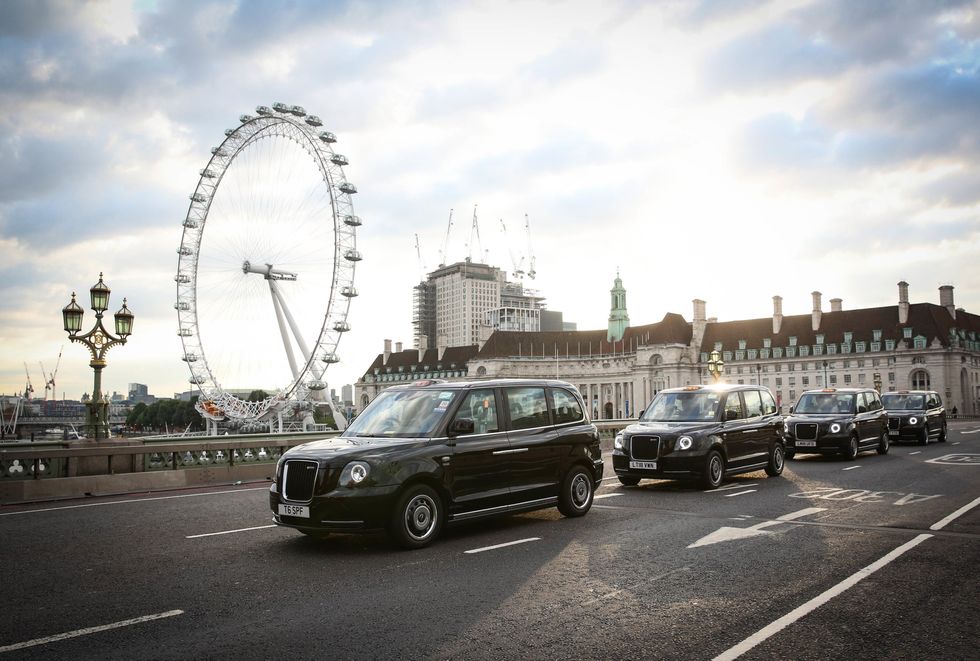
818, 601
89, 630
732, 486
850, 468
606, 495
740, 493
955, 443
606, 479
916, 452
630, 586
132, 500
939, 525
794, 615
500, 546
972, 431
228, 532
727, 534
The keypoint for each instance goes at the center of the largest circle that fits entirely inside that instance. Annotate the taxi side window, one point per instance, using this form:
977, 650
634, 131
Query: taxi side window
865, 402
528, 408
768, 403
874, 402
934, 401
753, 403
481, 407
566, 408
733, 407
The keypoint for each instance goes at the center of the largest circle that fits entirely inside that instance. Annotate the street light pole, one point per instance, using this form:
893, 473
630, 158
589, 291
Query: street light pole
98, 341
716, 366
826, 383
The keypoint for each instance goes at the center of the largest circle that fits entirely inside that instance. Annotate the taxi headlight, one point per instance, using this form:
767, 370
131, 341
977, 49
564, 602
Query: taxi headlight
684, 443
913, 420
618, 442
785, 427
835, 427
354, 473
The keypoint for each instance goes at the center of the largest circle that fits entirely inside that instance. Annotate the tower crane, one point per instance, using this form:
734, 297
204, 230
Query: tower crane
54, 374
445, 242
47, 381
530, 253
475, 227
418, 251
29, 390
517, 263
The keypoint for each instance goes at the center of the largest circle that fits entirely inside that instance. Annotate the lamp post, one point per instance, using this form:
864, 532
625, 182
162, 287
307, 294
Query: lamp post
877, 380
826, 383
98, 341
716, 366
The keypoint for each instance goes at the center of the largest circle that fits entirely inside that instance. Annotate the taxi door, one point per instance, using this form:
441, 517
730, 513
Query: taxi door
738, 433
479, 469
535, 449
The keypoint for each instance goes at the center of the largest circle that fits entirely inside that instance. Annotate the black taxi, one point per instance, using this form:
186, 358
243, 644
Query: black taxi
915, 415
432, 452
702, 432
845, 421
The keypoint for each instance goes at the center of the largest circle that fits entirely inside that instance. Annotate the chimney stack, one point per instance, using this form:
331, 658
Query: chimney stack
836, 305
398, 347
699, 310
441, 342
423, 347
777, 314
817, 313
903, 302
946, 299
387, 353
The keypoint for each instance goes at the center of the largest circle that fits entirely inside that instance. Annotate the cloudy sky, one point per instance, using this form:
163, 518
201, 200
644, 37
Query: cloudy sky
728, 150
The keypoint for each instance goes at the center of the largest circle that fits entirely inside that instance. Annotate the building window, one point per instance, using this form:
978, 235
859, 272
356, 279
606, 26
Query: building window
860, 347
741, 344
726, 356
919, 380
876, 335
832, 348
833, 379
819, 338
777, 352
804, 350
861, 377
817, 349
779, 381
790, 352
767, 342
907, 332
847, 379
920, 342
792, 340
740, 354
764, 353
891, 377
848, 337
717, 346
889, 345
805, 380
876, 346
753, 354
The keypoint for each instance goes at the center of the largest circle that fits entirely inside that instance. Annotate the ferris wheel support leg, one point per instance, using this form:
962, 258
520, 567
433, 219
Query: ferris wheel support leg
292, 322
277, 304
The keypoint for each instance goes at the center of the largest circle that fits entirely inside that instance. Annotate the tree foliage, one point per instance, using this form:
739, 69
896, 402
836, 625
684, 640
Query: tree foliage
165, 414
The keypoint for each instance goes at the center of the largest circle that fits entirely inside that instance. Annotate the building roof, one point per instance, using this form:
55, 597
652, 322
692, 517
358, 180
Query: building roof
926, 319
409, 358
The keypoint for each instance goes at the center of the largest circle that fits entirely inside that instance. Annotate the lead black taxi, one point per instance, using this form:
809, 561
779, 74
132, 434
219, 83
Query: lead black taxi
432, 452
703, 433
843, 421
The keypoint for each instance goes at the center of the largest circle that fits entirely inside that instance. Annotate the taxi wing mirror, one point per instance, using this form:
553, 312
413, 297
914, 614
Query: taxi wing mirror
862, 409
791, 409
731, 414
462, 426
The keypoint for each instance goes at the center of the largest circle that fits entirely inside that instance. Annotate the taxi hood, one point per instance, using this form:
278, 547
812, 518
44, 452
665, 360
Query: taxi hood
350, 447
658, 427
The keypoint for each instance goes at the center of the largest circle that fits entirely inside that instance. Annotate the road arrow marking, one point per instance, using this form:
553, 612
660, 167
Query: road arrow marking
726, 534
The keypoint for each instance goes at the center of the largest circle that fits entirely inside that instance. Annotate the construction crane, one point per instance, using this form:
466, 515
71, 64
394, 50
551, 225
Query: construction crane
29, 390
530, 253
475, 228
418, 251
51, 383
445, 242
518, 272
47, 382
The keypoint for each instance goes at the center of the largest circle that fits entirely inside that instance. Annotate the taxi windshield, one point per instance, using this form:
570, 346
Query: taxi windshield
403, 414
826, 402
683, 407
897, 402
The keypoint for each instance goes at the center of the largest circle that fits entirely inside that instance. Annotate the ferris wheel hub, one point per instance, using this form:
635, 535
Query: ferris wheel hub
269, 272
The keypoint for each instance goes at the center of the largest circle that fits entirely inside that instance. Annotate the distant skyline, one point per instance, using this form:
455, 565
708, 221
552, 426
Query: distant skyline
727, 151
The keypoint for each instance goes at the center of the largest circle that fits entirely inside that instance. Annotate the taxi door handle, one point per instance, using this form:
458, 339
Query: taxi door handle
512, 451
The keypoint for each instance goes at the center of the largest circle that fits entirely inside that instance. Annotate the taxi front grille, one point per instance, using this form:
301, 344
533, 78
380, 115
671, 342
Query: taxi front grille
298, 480
645, 447
806, 431
894, 423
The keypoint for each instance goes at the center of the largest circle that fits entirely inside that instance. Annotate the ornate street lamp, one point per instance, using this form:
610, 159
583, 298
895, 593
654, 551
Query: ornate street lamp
98, 341
877, 380
716, 366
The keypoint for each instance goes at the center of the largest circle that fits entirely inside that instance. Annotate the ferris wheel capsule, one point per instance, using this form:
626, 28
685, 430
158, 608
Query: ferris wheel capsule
313, 120
263, 110
280, 107
352, 221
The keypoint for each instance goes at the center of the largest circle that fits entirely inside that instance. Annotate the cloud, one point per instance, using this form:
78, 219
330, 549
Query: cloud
778, 142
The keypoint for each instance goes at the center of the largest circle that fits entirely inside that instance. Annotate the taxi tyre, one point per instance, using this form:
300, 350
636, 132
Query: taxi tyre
883, 445
851, 451
628, 481
417, 518
924, 436
777, 459
942, 434
577, 491
714, 470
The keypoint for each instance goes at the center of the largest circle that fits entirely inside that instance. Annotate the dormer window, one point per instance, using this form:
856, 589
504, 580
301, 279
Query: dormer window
717, 346
767, 343
848, 336
741, 345
819, 338
907, 332
876, 335
792, 340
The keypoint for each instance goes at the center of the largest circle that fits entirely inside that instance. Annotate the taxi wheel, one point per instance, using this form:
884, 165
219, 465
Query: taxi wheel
714, 470
883, 445
776, 460
417, 519
575, 497
629, 481
851, 452
924, 436
942, 434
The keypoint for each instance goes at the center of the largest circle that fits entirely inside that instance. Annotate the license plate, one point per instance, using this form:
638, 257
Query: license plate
294, 510
893, 432
806, 444
644, 465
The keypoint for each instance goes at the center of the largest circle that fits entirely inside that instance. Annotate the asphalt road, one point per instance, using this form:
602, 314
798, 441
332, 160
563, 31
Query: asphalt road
872, 559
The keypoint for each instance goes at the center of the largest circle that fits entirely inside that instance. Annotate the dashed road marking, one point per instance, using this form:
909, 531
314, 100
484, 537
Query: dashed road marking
972, 431
732, 486
850, 468
606, 495
89, 630
740, 493
916, 452
500, 546
228, 532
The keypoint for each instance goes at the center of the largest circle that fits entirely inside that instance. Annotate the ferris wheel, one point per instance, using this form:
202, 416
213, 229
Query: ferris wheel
265, 273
